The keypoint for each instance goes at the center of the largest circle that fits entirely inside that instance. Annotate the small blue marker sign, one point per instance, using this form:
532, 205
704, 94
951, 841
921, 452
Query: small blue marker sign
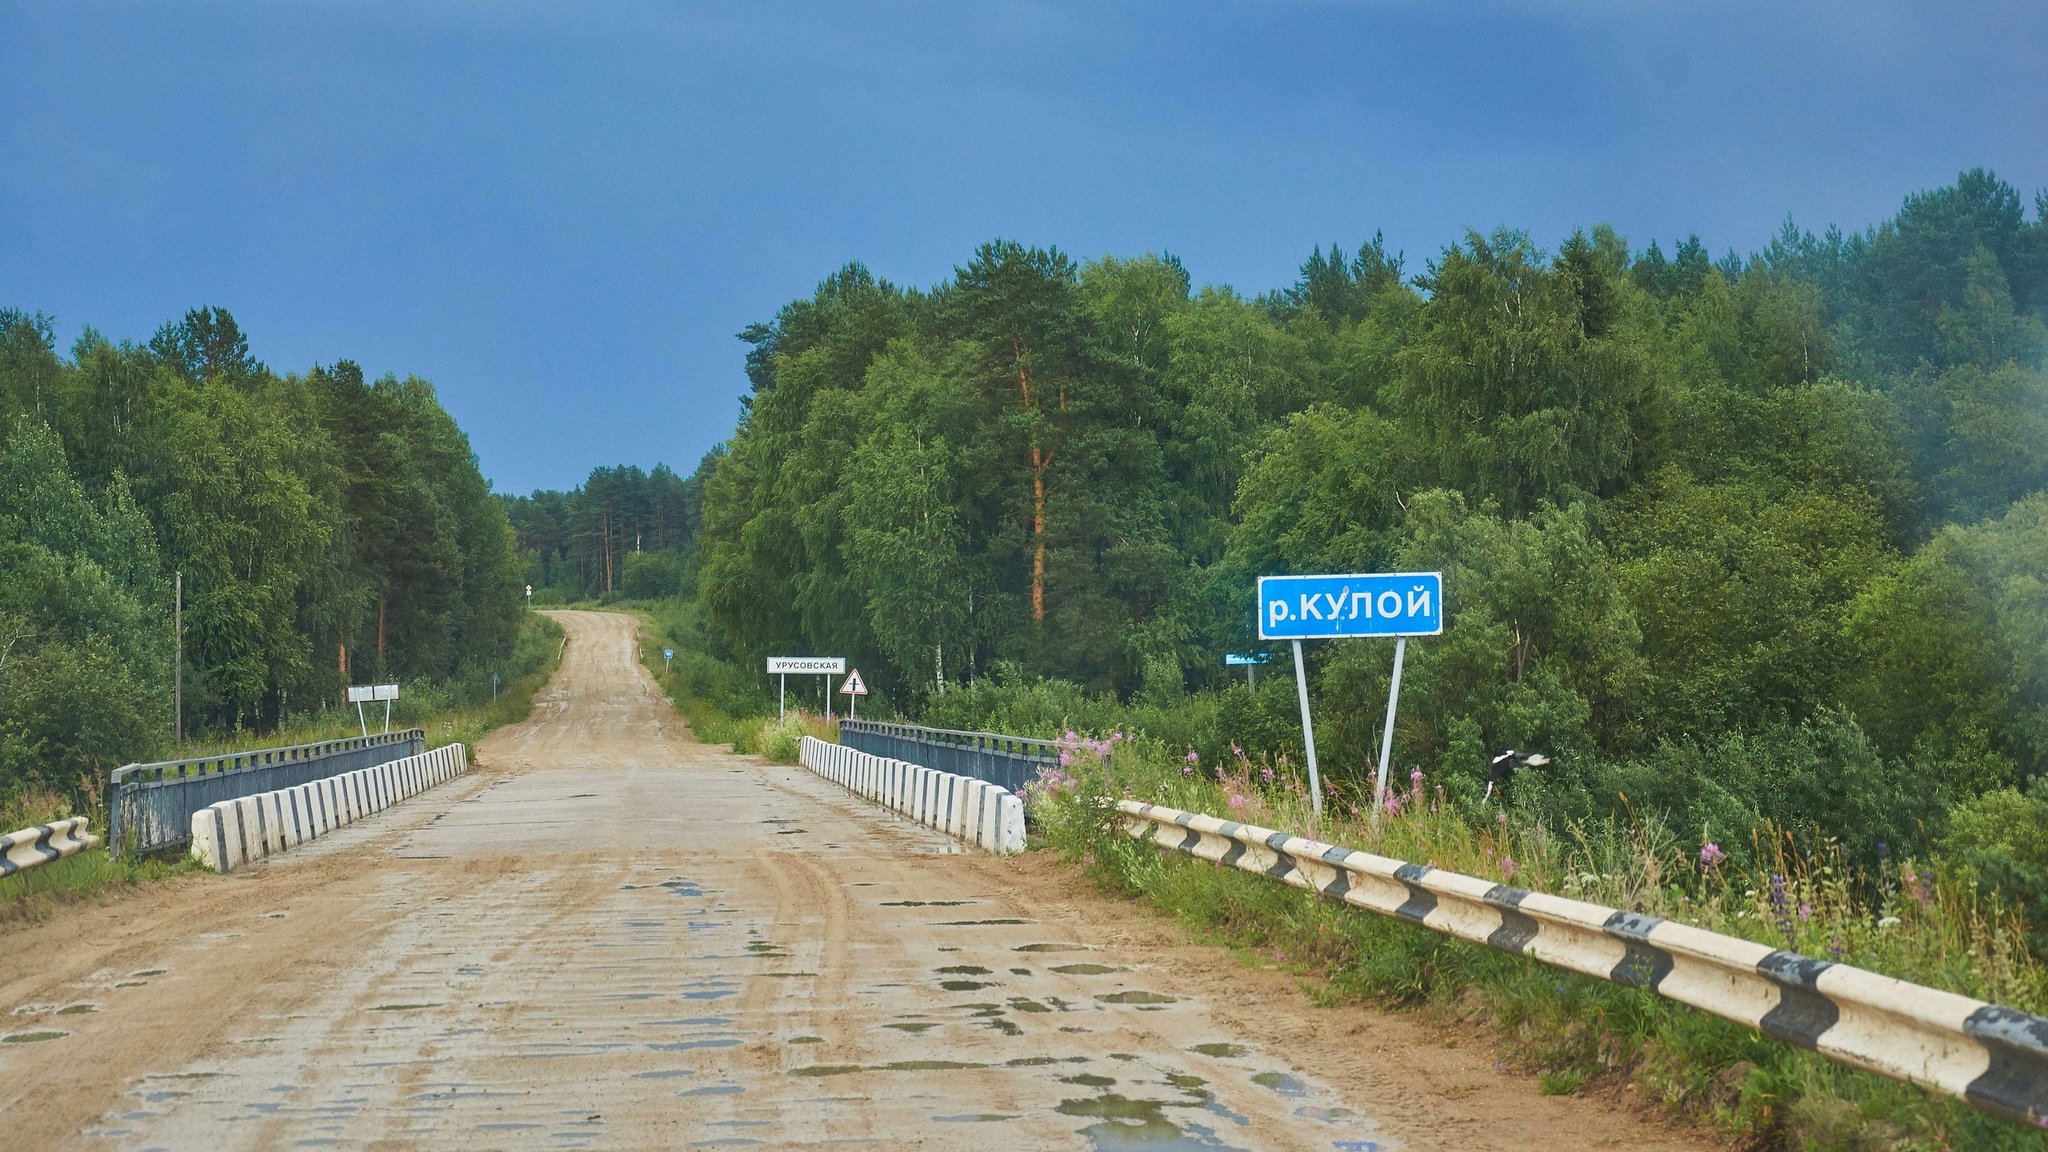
1356, 605
668, 653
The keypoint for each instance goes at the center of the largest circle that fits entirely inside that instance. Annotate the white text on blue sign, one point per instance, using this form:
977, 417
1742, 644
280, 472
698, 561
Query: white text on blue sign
1355, 605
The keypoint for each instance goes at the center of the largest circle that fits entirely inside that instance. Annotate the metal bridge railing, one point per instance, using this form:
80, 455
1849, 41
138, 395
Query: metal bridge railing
1006, 761
152, 804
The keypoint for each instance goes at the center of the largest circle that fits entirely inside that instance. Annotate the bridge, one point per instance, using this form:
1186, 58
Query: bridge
608, 935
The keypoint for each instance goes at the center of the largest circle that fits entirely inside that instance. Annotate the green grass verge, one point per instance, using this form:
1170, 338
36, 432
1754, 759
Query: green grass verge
1577, 1035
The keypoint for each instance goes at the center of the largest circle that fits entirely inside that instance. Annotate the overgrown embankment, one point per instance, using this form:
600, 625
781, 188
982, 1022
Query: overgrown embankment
457, 710
721, 704
1579, 1035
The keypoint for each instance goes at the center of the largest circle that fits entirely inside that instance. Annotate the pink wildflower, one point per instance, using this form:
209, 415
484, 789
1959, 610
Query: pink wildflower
1236, 801
1711, 854
1508, 867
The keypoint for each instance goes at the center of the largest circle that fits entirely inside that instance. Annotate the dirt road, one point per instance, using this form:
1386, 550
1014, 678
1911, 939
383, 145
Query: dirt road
609, 936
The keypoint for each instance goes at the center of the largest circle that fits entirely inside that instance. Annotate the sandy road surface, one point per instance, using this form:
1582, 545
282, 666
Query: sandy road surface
609, 936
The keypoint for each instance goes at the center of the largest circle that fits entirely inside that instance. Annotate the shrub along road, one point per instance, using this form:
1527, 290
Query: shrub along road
609, 935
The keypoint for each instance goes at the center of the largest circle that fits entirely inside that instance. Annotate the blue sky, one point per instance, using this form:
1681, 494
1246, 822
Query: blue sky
561, 213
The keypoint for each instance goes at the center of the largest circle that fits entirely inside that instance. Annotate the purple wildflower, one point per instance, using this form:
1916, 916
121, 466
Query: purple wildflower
1711, 854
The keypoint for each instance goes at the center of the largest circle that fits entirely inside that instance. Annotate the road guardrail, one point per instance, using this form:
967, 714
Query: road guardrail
960, 806
231, 833
1992, 1057
1009, 762
151, 805
43, 843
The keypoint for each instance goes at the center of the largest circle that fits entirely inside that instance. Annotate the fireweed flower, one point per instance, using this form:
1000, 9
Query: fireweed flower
1508, 867
1236, 801
1711, 854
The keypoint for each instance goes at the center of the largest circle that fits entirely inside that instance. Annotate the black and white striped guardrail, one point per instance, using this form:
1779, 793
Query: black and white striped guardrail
960, 806
43, 843
232, 833
1992, 1057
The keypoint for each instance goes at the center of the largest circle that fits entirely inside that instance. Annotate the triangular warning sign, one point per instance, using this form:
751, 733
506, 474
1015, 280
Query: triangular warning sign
853, 686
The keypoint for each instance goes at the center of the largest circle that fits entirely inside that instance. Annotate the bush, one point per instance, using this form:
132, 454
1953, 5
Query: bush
781, 741
1901, 919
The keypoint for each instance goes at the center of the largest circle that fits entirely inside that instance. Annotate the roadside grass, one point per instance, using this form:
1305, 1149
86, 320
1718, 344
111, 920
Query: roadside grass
721, 704
1575, 1034
781, 740
450, 713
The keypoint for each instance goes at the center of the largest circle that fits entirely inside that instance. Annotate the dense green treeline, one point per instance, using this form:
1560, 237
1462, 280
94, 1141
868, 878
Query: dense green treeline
622, 532
1747, 540
329, 531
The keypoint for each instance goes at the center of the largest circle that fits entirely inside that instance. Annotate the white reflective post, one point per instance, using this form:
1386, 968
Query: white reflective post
1308, 734
828, 697
1379, 794
782, 698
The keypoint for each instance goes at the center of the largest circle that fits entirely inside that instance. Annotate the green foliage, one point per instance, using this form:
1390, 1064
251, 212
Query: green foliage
1744, 543
328, 531
582, 544
1572, 1032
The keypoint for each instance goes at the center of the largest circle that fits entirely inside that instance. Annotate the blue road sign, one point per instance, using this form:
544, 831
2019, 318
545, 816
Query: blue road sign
1239, 659
1361, 604
668, 653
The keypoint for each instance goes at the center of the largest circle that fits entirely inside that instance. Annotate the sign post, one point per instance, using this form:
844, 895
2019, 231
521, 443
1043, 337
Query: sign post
853, 690
387, 693
1359, 605
667, 654
787, 666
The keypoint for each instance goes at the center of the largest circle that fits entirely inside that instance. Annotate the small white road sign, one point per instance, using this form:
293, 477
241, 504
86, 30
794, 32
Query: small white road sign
853, 685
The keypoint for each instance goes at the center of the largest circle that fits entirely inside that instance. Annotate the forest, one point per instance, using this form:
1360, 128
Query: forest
1749, 542
327, 530
622, 533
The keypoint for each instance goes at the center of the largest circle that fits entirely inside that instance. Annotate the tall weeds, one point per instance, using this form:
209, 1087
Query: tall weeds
1903, 919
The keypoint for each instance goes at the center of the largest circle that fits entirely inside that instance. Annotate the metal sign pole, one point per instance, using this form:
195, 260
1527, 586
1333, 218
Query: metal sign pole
1387, 737
782, 698
828, 697
387, 716
360, 719
178, 669
1308, 734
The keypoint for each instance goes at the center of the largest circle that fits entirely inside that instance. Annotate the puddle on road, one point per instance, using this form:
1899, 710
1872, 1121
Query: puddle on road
77, 1009
1137, 997
913, 1029
1222, 1051
975, 1118
1085, 969
714, 1090
963, 970
32, 1037
1282, 1083
1050, 948
926, 903
976, 923
664, 1074
1125, 1123
687, 1045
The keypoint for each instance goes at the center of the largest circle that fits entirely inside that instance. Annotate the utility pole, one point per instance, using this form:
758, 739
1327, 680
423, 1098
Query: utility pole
178, 670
